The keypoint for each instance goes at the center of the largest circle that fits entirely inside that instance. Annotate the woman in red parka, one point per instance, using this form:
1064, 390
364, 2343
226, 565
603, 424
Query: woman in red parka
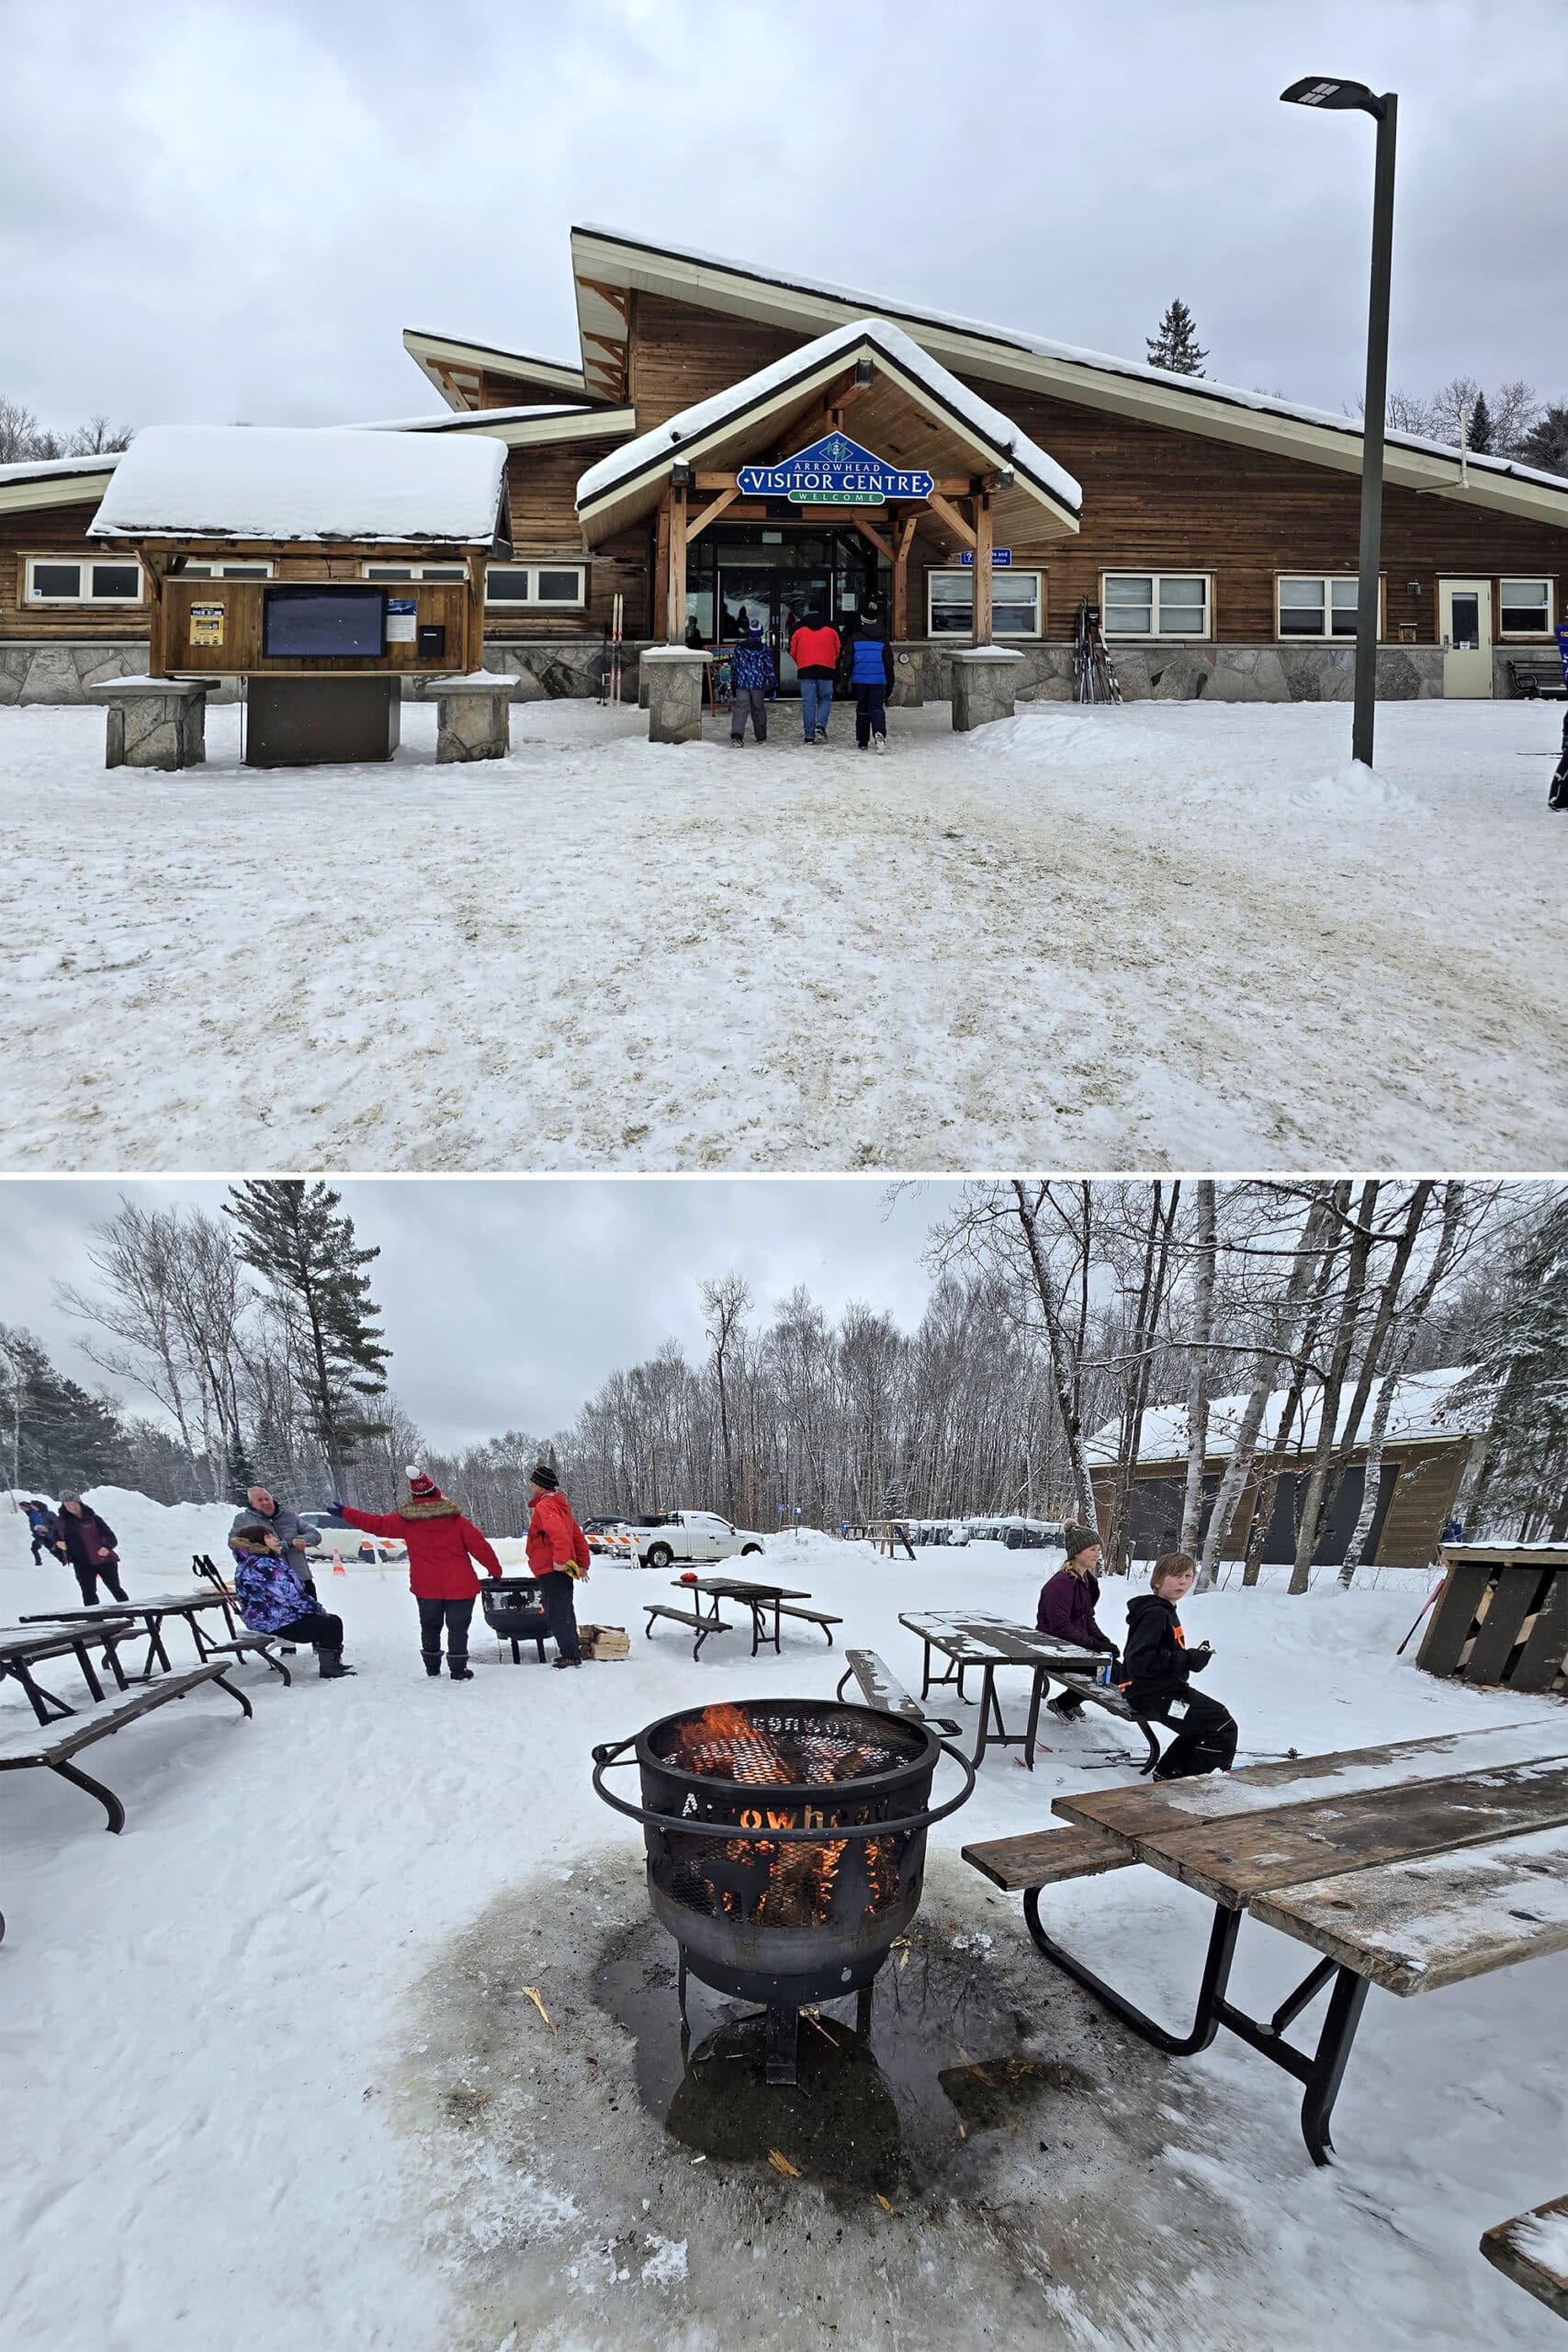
442, 1546
558, 1555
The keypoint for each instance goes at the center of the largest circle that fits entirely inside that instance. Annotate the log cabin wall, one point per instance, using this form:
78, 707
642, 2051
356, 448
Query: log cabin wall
61, 531
1423, 1492
543, 489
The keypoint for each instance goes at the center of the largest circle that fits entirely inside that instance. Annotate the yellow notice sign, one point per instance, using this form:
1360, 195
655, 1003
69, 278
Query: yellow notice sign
207, 624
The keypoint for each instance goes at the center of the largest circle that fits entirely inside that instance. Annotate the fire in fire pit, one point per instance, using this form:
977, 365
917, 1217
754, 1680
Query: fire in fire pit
787, 1842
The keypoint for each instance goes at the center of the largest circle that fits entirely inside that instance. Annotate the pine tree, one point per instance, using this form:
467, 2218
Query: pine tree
294, 1236
1175, 346
1523, 1357
1480, 434
55, 1437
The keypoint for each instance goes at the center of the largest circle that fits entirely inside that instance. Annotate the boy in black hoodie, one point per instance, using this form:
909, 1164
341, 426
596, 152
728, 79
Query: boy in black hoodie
1156, 1664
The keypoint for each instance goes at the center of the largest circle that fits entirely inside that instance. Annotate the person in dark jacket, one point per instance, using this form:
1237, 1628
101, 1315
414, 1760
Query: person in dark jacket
869, 659
559, 1555
1157, 1666
263, 1509
442, 1547
815, 649
274, 1600
752, 679
43, 1527
88, 1543
1067, 1603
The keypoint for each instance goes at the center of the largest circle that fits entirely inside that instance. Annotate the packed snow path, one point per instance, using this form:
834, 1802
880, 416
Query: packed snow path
1166, 934
274, 2078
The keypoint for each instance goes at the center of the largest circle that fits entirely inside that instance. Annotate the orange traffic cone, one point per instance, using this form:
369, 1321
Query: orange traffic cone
338, 1568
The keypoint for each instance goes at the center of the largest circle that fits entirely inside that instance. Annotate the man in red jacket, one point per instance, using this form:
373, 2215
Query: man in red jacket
442, 1546
814, 649
558, 1555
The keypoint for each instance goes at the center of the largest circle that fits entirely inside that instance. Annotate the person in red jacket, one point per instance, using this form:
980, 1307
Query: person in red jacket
558, 1555
442, 1546
815, 649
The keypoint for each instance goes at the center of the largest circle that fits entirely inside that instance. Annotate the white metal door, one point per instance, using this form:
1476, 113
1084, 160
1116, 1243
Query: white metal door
1464, 627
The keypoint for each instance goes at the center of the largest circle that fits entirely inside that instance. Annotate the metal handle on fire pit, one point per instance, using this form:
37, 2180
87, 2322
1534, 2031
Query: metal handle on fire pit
614, 1751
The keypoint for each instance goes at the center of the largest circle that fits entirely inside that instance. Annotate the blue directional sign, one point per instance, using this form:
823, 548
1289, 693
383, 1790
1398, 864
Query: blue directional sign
835, 471
1001, 558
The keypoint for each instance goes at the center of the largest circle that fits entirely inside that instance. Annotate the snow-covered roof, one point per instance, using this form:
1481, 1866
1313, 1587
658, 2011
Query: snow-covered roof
1197, 390
1003, 442
313, 482
1425, 1408
41, 469
471, 420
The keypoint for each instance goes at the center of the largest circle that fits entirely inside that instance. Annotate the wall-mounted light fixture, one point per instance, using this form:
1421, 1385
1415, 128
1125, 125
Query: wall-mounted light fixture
866, 372
682, 476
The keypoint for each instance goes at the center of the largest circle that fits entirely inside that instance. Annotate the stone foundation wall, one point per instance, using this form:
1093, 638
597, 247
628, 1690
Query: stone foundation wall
550, 669
1186, 672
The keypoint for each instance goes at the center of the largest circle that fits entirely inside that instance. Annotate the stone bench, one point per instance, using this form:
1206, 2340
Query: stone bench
473, 716
673, 677
153, 722
985, 685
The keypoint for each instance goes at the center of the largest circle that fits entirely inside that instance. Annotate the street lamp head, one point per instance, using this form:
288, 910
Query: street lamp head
1324, 90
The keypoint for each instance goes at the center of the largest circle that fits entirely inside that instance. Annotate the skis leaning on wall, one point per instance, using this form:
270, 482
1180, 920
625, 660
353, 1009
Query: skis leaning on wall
1094, 672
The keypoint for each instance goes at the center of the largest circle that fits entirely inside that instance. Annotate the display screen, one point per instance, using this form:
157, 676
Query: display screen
312, 623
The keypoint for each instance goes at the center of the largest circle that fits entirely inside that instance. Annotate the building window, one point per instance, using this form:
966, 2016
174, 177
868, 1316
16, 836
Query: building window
414, 571
1015, 604
1156, 604
253, 568
1311, 607
1524, 608
87, 579
560, 586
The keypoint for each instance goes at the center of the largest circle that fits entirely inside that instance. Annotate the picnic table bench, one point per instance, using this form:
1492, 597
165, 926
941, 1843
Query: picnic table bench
1409, 1866
51, 1745
969, 1638
880, 1687
24, 1646
1533, 2250
703, 1625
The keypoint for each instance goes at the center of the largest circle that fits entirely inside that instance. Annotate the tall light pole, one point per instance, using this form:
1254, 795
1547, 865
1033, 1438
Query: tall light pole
1334, 95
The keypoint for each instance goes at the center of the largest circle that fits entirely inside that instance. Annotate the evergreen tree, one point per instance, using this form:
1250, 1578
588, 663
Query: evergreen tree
55, 1437
1480, 434
1523, 1355
294, 1236
1175, 346
1545, 443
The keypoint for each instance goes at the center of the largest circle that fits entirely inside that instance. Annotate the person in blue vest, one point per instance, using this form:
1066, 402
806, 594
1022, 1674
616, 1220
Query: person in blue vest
752, 680
869, 660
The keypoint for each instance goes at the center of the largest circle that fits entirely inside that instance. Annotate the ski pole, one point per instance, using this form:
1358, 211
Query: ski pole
1421, 1613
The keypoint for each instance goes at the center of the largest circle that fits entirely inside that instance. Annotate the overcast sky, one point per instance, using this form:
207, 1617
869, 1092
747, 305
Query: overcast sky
508, 1302
223, 212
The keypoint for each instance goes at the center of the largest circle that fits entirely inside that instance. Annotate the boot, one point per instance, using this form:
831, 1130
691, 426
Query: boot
568, 1661
457, 1666
1069, 1706
330, 1665
432, 1662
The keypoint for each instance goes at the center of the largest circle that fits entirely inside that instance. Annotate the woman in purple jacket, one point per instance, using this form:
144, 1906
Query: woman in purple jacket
1067, 1609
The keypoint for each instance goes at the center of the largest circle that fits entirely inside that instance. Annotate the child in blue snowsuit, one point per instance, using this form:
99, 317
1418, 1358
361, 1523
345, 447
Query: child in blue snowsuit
753, 679
870, 659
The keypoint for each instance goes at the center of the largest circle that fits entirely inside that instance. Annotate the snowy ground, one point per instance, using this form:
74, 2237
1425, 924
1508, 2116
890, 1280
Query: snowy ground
1168, 934
273, 2078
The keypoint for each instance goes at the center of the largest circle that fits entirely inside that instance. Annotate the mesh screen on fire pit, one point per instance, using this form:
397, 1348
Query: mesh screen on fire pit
760, 1746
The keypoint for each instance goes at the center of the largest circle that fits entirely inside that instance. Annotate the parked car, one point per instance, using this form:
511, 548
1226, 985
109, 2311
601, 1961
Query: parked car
691, 1536
328, 1535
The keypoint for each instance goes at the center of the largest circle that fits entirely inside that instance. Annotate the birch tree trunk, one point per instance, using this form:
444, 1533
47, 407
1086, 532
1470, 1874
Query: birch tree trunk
1198, 1369
1058, 1357
1315, 1235
1399, 1356
1311, 1515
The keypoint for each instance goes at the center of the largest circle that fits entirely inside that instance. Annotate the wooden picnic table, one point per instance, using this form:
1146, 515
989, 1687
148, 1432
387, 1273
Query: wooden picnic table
1410, 1866
968, 1637
151, 1611
757, 1597
24, 1646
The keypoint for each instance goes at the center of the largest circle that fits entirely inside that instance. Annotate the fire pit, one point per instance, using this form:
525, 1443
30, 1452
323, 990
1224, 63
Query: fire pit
806, 1910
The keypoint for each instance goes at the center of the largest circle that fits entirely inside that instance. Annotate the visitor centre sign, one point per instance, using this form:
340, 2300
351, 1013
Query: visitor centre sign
835, 471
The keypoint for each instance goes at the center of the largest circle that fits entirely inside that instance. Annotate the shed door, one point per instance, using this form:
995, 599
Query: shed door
1464, 627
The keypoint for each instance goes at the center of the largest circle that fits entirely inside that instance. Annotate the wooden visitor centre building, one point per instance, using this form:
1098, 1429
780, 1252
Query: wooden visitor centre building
1011, 479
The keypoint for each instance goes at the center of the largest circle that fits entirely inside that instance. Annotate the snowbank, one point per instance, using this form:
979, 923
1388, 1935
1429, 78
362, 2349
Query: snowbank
273, 481
156, 1539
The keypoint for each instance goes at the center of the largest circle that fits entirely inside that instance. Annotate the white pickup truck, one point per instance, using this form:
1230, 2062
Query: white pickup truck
691, 1536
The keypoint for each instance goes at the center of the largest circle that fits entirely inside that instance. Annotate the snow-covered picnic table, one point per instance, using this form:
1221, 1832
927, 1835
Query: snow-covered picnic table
1411, 1866
152, 1610
969, 1637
